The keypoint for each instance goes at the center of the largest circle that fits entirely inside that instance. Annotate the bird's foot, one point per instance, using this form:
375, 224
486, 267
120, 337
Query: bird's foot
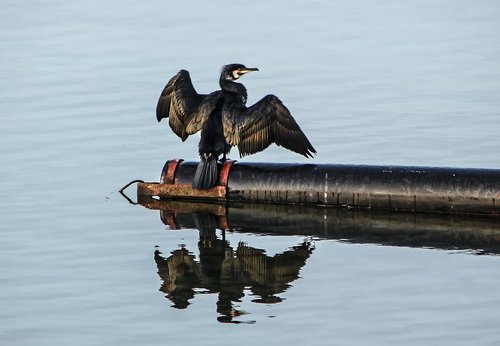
224, 159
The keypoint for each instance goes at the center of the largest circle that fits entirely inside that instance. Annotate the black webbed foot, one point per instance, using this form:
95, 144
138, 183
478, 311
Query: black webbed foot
224, 158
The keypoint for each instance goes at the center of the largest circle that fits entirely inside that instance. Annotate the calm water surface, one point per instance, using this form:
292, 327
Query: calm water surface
414, 82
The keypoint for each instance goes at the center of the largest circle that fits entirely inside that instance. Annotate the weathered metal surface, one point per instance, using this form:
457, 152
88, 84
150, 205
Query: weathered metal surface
427, 189
171, 187
224, 174
180, 190
168, 172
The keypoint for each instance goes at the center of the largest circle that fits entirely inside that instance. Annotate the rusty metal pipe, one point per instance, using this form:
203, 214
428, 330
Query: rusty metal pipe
427, 189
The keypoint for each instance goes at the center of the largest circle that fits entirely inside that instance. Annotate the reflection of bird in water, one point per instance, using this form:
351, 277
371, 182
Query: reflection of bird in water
183, 276
225, 121
228, 271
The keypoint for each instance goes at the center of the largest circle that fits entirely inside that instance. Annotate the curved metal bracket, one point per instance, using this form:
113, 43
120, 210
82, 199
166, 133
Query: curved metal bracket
121, 191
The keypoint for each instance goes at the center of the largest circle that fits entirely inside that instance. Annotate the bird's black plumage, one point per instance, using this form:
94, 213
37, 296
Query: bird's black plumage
226, 121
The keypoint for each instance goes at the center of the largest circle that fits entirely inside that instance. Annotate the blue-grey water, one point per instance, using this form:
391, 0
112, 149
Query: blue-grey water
370, 82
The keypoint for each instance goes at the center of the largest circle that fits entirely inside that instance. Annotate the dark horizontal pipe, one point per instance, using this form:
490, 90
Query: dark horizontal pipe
427, 189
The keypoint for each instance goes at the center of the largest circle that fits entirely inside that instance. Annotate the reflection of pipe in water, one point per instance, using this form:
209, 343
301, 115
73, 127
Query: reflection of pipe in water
482, 235
228, 272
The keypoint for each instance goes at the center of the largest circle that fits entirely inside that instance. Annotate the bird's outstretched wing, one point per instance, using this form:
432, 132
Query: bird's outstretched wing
186, 109
268, 121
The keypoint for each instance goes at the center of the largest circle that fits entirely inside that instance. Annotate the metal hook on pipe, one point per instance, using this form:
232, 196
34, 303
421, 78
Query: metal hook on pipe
121, 191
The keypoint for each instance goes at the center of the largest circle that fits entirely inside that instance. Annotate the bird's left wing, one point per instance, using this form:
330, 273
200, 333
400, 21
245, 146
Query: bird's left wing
268, 121
186, 109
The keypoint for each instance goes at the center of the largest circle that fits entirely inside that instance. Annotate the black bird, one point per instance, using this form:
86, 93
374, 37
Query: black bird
226, 121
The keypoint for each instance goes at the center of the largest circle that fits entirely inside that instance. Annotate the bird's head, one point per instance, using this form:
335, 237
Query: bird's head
234, 71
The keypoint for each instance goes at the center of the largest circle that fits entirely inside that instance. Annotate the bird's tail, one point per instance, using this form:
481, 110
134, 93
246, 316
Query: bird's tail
206, 173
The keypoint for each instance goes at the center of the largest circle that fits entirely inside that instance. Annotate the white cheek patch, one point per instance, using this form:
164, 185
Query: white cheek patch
235, 74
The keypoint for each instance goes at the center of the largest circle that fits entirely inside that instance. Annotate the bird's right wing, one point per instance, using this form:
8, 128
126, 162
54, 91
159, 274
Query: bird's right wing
186, 109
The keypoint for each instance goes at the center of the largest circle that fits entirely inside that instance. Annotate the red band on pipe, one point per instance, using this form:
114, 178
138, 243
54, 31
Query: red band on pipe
168, 173
224, 174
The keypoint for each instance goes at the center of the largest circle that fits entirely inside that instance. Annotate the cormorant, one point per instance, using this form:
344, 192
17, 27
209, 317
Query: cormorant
226, 121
